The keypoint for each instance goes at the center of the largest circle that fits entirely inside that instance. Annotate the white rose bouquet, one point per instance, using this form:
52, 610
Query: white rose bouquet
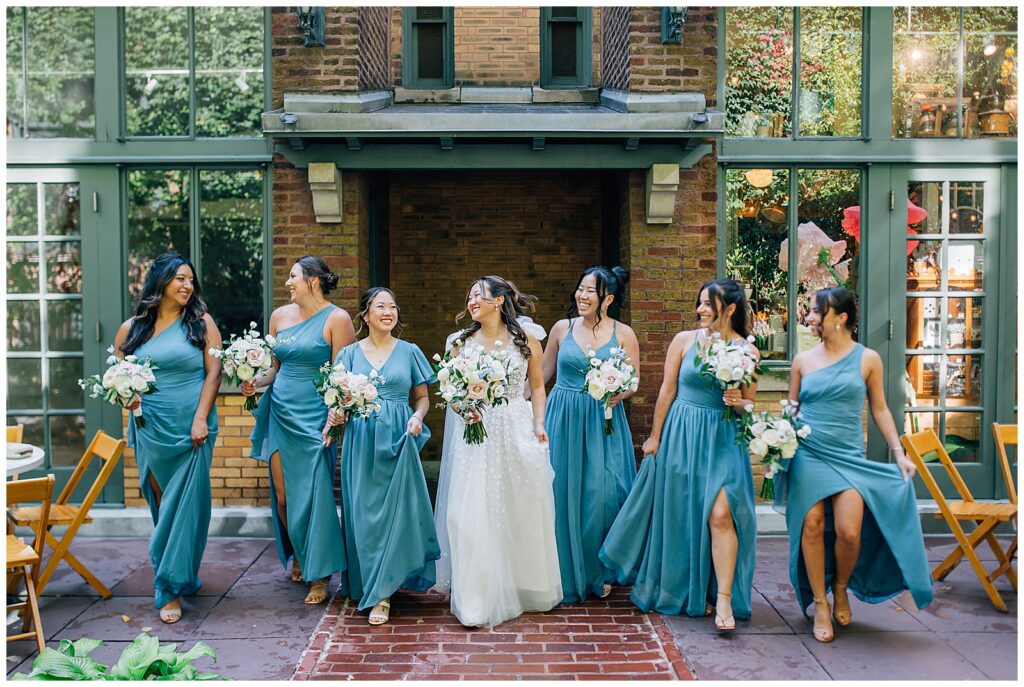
348, 392
731, 365
123, 382
246, 356
772, 439
607, 378
472, 380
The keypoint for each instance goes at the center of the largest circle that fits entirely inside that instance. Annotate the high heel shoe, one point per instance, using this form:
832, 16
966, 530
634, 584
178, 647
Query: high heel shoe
823, 635
725, 624
843, 617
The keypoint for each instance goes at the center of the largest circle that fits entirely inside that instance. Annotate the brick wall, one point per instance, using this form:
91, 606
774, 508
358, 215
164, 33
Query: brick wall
373, 48
331, 69
689, 67
615, 47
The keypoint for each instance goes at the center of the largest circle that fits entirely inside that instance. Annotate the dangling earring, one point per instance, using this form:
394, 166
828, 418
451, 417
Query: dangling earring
837, 327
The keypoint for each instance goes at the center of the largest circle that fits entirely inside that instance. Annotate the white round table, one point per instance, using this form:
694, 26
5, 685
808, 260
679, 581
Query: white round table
16, 466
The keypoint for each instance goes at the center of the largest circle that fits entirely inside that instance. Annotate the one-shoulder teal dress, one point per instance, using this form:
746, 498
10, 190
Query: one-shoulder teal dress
289, 420
163, 449
390, 541
593, 470
661, 541
831, 460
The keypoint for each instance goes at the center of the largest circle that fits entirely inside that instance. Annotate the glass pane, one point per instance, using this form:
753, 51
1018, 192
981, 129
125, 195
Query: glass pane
157, 220
830, 71
22, 213
564, 12
924, 323
62, 209
64, 325
61, 72
757, 209
963, 436
563, 50
963, 328
925, 72
22, 325
430, 51
990, 84
156, 70
63, 267
924, 207
67, 439
231, 235
64, 390
963, 380
22, 267
759, 82
916, 422
921, 381
34, 431
430, 13
229, 71
926, 19
924, 265
967, 213
990, 19
24, 383
966, 265
15, 73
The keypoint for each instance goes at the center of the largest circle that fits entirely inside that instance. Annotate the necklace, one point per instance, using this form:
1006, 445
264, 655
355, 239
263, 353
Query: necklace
378, 358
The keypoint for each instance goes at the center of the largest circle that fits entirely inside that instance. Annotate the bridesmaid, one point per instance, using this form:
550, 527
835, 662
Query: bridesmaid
691, 510
174, 449
834, 541
390, 542
593, 470
289, 420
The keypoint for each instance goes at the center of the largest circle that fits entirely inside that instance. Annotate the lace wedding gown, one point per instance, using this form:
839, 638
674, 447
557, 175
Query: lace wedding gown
495, 515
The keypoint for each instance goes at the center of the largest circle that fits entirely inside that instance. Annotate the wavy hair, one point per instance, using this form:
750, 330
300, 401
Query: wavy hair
160, 274
364, 305
725, 292
516, 304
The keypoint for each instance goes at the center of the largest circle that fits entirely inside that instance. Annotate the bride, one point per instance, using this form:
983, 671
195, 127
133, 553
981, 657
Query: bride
495, 512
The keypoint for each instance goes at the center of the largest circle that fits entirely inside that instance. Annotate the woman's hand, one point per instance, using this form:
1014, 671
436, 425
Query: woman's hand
905, 465
135, 404
540, 432
616, 400
249, 387
200, 432
414, 426
734, 399
650, 447
334, 418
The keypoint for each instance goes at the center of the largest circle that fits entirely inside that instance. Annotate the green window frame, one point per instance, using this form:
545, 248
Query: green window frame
555, 21
414, 22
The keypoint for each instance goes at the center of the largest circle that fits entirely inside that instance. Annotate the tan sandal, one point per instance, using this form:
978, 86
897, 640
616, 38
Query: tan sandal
843, 617
823, 635
296, 573
381, 613
317, 593
725, 624
170, 616
605, 591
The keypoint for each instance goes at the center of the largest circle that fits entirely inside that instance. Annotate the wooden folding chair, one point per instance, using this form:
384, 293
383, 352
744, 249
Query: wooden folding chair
108, 450
23, 560
1006, 435
986, 517
15, 433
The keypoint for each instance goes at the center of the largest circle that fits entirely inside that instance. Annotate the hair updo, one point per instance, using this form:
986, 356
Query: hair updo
314, 267
839, 301
609, 281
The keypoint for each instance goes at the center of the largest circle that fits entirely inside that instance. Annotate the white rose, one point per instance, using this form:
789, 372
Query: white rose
255, 357
782, 426
131, 358
611, 379
788, 449
595, 362
596, 389
139, 383
369, 392
758, 428
147, 374
245, 372
108, 377
331, 397
804, 431
443, 374
337, 376
448, 394
771, 437
498, 390
758, 448
724, 374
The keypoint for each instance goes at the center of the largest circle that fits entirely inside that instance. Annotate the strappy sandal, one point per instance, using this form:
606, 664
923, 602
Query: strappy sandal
845, 616
317, 593
169, 616
380, 613
822, 634
605, 591
725, 624
296, 573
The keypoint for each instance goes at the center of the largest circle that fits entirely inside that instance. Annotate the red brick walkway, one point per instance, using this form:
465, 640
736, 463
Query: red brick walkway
604, 639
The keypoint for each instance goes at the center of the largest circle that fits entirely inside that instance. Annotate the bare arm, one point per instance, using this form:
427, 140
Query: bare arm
795, 375
628, 341
208, 396
880, 412
341, 332
538, 399
555, 337
669, 385
421, 402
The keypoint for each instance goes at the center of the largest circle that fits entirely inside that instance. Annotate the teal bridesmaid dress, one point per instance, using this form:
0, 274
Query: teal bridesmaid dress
832, 459
660, 541
163, 449
593, 471
390, 541
289, 420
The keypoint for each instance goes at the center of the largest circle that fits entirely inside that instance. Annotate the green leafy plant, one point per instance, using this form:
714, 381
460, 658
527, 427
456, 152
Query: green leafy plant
143, 659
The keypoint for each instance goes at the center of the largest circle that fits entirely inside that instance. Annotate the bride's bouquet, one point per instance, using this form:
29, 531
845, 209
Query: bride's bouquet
772, 439
607, 378
348, 392
246, 356
472, 380
123, 382
730, 364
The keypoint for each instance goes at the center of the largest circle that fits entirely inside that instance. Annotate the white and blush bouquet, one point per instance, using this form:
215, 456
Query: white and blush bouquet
770, 440
472, 380
730, 364
348, 392
123, 382
608, 378
245, 357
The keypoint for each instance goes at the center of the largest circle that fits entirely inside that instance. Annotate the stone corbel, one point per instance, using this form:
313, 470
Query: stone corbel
662, 187
325, 185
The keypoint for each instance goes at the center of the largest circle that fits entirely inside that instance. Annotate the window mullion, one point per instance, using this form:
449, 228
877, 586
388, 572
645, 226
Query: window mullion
960, 47
24, 72
794, 107
195, 251
793, 317
191, 13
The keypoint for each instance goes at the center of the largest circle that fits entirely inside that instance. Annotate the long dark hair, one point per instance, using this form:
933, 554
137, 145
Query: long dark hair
609, 281
840, 301
725, 292
364, 305
160, 274
516, 303
313, 266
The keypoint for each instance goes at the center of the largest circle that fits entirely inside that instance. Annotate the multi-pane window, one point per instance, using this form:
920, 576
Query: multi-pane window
954, 72
193, 72
44, 318
220, 226
50, 72
565, 37
429, 55
759, 87
760, 247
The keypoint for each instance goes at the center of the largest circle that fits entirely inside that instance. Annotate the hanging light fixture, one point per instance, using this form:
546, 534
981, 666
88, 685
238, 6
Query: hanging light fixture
758, 178
311, 20
990, 45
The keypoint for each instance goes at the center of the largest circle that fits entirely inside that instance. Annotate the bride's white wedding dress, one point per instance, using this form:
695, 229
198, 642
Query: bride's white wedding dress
495, 515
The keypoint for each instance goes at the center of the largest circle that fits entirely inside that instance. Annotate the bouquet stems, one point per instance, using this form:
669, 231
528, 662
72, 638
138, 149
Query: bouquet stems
140, 421
609, 428
768, 489
475, 433
251, 402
